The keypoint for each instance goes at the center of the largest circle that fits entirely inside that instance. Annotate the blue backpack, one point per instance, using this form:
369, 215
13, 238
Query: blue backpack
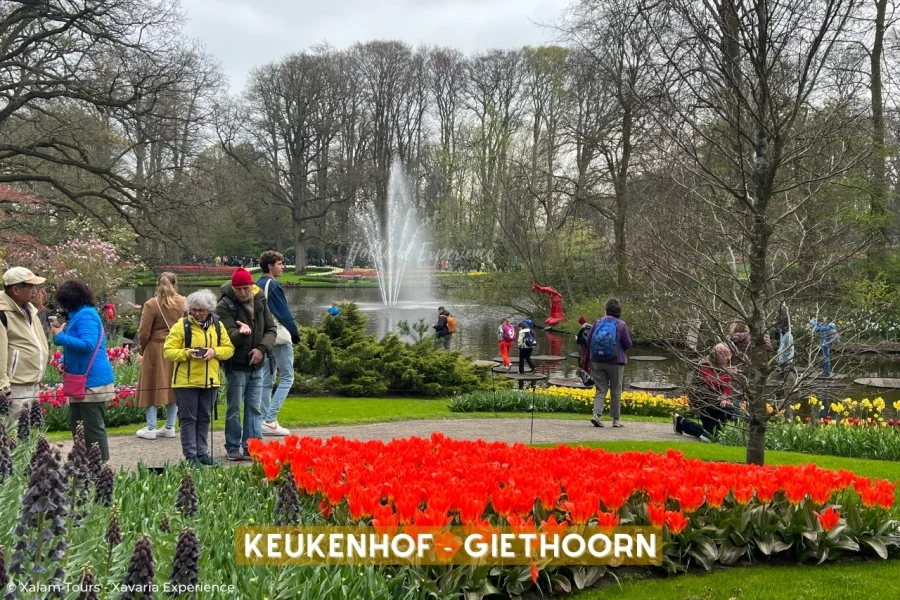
604, 342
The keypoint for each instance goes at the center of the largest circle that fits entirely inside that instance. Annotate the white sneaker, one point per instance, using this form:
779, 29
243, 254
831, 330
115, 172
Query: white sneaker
274, 428
704, 439
166, 432
146, 433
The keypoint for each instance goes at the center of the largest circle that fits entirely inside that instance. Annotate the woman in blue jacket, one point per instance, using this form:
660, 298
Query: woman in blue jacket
80, 337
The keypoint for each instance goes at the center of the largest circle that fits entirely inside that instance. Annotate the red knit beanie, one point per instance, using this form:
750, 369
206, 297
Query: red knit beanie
241, 277
582, 320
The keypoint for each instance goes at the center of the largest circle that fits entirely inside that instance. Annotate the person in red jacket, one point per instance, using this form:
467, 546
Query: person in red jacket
710, 395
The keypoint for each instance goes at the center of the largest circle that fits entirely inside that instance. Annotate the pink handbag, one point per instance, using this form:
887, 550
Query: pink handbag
75, 386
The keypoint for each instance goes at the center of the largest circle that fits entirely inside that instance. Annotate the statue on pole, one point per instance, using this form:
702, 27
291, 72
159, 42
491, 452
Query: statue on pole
556, 311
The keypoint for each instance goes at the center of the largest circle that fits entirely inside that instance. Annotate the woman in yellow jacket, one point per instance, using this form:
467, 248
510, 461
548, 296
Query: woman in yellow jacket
196, 344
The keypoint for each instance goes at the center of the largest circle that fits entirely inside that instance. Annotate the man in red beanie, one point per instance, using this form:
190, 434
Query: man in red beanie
245, 314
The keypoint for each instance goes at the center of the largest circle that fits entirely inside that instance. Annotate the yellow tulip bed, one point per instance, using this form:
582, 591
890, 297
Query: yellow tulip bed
565, 400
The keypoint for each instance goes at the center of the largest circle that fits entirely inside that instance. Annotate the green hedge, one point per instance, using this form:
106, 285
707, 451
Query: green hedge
340, 357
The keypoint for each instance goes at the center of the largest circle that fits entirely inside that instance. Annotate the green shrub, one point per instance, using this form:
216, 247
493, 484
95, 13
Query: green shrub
341, 357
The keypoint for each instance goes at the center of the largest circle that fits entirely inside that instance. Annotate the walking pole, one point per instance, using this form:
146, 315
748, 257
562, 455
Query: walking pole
215, 413
494, 389
533, 392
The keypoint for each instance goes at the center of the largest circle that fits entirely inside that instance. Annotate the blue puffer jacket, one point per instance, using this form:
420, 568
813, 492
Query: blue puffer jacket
79, 340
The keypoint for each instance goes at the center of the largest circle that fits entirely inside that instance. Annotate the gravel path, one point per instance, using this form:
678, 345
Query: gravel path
128, 451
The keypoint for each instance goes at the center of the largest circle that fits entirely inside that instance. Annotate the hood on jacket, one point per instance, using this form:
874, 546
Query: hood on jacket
529, 323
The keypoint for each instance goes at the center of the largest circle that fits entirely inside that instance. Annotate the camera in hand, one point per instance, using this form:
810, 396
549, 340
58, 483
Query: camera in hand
198, 352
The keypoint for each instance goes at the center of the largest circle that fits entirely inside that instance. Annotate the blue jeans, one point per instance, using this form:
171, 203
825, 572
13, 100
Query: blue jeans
826, 353
272, 402
243, 387
171, 413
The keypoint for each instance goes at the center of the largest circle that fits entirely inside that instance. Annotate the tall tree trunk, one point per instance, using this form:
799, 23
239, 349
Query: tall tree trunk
880, 190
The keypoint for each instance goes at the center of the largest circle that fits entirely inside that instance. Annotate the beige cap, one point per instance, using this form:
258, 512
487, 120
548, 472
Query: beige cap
21, 275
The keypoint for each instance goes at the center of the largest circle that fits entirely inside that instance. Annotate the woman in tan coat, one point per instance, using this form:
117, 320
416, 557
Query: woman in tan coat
154, 388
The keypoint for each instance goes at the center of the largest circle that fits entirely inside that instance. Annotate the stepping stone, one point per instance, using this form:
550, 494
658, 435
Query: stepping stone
526, 376
567, 382
484, 363
648, 358
879, 382
502, 369
548, 357
499, 359
574, 355
656, 386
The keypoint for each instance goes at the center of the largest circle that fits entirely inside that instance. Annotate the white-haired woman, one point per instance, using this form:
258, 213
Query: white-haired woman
154, 386
196, 344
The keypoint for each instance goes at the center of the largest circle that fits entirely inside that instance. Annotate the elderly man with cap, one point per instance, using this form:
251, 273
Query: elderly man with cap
24, 350
245, 314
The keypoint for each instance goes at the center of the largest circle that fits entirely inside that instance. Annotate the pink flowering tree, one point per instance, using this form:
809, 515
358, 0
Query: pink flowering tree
94, 261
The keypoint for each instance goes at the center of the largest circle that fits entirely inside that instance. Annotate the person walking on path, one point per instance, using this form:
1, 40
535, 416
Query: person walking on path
154, 386
84, 354
24, 350
197, 344
281, 362
710, 396
506, 335
526, 343
609, 341
245, 315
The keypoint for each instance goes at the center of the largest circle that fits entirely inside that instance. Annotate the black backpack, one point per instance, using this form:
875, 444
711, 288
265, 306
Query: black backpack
529, 340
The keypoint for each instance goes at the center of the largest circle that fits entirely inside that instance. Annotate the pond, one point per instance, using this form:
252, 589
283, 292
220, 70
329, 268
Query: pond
477, 335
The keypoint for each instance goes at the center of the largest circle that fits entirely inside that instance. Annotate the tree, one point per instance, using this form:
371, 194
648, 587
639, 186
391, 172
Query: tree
293, 118
615, 86
754, 148
65, 64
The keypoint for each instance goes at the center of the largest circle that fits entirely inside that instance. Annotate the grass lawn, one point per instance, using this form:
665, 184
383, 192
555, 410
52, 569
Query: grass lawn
807, 582
313, 412
876, 579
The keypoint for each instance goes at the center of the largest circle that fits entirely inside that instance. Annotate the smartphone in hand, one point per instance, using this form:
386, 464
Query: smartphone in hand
198, 352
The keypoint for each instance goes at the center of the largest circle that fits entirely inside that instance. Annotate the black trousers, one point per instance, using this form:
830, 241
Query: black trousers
525, 356
712, 419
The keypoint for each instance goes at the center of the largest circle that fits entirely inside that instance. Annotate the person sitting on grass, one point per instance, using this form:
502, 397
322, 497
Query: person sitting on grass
710, 396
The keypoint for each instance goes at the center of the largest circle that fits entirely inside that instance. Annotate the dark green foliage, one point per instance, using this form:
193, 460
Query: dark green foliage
347, 360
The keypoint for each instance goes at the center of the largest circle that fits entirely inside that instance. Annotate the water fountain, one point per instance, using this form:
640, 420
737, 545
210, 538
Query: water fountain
400, 246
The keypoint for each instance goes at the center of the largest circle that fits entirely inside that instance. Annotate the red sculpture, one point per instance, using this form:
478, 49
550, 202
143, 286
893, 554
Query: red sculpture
556, 312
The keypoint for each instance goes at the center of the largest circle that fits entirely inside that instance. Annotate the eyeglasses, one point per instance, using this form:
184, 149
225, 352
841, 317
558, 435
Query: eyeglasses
199, 311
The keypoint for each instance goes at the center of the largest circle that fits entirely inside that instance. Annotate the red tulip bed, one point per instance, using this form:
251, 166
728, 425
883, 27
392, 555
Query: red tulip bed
710, 512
